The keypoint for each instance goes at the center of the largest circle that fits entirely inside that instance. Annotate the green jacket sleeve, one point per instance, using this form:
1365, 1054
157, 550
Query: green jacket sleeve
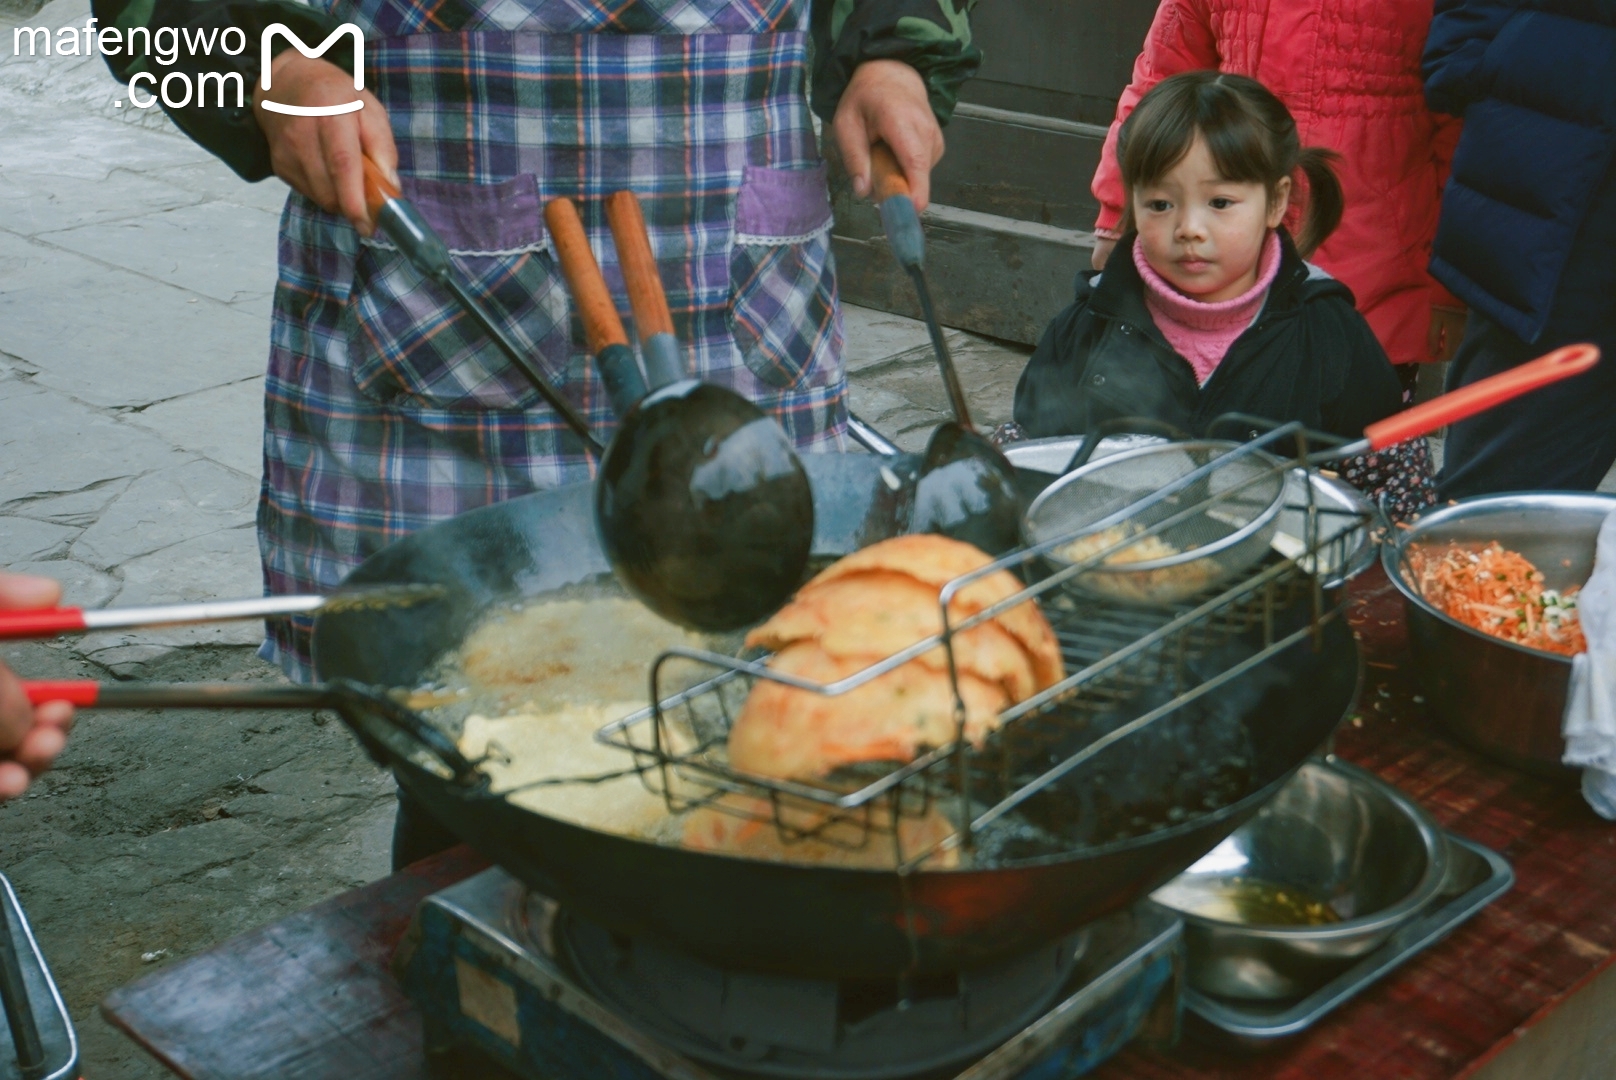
934, 36
224, 125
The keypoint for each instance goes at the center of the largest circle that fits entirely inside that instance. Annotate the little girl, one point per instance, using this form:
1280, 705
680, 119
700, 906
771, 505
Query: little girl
1205, 307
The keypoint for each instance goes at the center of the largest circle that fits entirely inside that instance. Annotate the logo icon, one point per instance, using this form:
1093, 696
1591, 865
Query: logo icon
319, 50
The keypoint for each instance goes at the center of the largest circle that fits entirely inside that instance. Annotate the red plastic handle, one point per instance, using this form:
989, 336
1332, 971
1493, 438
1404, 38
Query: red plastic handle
45, 623
1481, 396
84, 692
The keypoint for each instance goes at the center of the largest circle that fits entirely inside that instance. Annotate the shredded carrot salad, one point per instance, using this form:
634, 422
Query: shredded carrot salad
1499, 592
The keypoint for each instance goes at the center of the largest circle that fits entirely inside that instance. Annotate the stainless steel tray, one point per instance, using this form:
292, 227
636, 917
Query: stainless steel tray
1476, 877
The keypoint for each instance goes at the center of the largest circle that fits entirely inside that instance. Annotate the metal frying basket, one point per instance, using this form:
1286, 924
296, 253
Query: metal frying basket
1215, 527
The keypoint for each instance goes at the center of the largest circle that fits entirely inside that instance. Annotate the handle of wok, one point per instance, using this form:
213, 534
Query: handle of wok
385, 726
645, 294
1481, 396
604, 335
899, 219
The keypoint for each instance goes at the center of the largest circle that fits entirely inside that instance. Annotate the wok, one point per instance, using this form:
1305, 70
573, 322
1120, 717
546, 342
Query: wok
805, 920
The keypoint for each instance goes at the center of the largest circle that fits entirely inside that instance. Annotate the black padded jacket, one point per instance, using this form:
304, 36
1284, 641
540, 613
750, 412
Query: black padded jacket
1308, 356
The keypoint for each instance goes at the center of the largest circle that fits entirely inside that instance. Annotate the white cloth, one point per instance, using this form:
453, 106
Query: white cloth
1590, 715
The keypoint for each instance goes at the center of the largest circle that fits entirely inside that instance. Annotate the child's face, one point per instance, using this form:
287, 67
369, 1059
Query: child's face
1202, 233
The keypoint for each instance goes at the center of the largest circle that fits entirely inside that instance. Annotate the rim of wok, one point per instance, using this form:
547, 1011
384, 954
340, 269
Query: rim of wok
366, 572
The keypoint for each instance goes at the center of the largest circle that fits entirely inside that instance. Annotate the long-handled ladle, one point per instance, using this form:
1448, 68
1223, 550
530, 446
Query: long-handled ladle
703, 509
967, 488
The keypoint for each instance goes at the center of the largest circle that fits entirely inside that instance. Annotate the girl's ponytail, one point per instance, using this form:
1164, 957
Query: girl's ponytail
1324, 198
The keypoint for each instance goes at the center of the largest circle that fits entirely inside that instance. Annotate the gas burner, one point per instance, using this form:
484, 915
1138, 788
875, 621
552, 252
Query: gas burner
813, 1029
496, 967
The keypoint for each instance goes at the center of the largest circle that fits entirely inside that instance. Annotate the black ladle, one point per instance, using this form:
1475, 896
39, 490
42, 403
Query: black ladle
703, 509
967, 488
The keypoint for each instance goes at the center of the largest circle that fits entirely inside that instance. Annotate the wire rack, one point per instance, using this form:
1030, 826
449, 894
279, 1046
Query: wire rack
1129, 667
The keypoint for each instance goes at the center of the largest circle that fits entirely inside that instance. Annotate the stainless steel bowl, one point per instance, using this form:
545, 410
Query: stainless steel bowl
1501, 698
1335, 834
1240, 504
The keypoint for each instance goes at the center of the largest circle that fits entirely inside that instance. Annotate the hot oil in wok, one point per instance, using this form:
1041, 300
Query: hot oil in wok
531, 685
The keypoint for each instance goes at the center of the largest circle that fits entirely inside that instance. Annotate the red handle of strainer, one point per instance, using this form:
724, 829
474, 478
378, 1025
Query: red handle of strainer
1479, 397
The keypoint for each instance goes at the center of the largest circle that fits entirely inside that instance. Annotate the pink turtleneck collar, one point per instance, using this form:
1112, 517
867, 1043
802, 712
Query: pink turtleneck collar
1202, 333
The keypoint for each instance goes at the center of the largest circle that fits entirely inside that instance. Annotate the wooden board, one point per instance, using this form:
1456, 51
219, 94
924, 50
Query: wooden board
307, 998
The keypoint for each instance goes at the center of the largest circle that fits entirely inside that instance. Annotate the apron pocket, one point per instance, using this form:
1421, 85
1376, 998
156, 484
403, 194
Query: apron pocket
412, 345
782, 277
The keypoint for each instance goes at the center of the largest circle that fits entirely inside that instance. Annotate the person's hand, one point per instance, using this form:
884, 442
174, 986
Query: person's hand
886, 102
1447, 330
1102, 252
320, 156
30, 737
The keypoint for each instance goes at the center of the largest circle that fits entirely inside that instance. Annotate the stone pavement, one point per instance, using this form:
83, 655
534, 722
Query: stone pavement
135, 280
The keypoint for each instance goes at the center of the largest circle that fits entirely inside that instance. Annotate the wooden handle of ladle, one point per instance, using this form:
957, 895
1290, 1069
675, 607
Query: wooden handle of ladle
378, 189
1480, 396
634, 255
602, 325
886, 176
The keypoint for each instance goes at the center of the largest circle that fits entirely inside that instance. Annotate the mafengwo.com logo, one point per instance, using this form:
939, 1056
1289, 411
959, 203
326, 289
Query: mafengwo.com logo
178, 89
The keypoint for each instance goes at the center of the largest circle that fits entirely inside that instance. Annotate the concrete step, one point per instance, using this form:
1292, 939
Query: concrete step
988, 273
1020, 165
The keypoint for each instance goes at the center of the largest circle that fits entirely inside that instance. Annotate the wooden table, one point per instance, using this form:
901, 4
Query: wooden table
1521, 991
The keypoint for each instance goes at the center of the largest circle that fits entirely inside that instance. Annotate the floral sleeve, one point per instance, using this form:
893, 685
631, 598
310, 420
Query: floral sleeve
1399, 478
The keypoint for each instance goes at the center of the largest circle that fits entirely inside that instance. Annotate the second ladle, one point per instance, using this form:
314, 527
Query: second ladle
967, 487
702, 507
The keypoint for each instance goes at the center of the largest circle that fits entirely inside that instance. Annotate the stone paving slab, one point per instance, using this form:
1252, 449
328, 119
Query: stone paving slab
37, 202
165, 507
224, 424
114, 338
53, 446
212, 249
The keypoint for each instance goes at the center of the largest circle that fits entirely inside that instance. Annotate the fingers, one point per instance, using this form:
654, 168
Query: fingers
376, 136
14, 780
341, 157
20, 592
39, 748
886, 101
1102, 252
16, 714
917, 151
853, 140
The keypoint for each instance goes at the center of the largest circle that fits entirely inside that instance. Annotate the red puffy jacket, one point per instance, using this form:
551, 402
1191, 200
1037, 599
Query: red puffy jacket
1350, 74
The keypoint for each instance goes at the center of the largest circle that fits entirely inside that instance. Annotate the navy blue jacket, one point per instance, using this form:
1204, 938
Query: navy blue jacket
1535, 81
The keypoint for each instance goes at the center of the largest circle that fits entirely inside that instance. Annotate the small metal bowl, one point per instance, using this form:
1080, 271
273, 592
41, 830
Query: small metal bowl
1335, 834
1501, 698
1243, 500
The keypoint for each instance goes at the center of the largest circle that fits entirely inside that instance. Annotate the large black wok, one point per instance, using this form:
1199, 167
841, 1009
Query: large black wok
807, 920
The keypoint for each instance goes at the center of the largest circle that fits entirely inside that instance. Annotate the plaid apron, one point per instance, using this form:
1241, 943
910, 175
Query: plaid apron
386, 411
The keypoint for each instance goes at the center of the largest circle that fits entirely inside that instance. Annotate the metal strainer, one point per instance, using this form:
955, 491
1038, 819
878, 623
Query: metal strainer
1218, 524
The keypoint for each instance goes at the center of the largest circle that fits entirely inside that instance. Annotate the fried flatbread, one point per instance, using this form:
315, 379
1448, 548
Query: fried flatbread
880, 613
785, 732
937, 560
